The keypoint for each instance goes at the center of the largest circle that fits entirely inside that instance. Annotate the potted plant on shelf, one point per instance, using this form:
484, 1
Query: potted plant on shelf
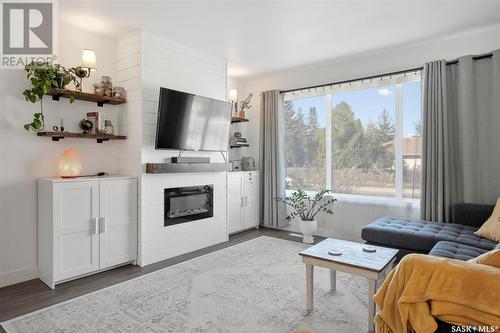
43, 77
307, 208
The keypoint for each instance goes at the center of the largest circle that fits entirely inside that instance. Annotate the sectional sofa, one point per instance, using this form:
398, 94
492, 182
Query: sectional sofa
454, 240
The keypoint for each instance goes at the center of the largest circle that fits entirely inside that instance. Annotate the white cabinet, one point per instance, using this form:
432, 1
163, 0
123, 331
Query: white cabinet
85, 225
243, 188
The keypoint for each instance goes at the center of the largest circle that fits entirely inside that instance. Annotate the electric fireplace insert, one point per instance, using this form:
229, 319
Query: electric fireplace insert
186, 204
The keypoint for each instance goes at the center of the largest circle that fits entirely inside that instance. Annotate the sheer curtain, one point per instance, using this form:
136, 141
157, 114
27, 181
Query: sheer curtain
461, 139
272, 158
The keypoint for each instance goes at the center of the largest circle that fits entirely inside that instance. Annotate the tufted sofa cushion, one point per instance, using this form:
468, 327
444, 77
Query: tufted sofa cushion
456, 251
421, 235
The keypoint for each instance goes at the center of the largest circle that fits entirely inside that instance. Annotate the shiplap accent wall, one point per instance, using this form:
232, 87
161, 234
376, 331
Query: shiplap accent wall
147, 62
130, 116
172, 65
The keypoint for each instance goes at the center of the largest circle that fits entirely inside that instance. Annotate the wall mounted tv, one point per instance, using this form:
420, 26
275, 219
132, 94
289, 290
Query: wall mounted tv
191, 122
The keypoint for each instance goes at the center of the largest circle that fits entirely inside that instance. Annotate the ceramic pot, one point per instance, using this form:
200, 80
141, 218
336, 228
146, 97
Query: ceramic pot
308, 228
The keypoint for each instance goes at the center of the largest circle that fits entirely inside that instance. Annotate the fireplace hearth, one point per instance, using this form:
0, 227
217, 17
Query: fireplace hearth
186, 204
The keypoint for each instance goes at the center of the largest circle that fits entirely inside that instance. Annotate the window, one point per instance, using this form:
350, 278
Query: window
357, 139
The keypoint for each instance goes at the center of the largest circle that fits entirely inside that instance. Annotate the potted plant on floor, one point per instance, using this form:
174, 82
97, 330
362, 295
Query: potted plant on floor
307, 208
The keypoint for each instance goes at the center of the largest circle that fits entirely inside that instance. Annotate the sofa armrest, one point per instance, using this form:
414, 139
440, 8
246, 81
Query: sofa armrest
473, 215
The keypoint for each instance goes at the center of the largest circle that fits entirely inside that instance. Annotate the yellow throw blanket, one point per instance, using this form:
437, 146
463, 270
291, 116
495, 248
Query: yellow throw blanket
424, 287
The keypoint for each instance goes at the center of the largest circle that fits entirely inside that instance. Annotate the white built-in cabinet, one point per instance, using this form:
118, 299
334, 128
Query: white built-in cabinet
85, 225
243, 188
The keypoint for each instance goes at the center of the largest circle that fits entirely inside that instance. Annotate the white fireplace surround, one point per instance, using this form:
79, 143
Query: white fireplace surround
158, 242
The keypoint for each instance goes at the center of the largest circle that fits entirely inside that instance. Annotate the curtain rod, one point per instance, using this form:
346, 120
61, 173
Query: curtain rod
452, 62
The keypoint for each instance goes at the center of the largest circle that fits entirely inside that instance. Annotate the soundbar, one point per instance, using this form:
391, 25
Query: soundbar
187, 167
182, 159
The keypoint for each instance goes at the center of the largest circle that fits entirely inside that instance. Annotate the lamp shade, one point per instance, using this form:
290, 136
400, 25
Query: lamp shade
88, 59
233, 95
69, 165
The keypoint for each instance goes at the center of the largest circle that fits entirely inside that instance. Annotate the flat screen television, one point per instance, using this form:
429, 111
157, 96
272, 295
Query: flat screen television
190, 122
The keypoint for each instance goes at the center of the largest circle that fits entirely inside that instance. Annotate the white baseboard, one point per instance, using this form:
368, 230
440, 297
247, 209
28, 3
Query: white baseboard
18, 275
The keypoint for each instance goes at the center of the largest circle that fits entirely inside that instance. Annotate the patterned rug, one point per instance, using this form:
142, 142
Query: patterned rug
255, 286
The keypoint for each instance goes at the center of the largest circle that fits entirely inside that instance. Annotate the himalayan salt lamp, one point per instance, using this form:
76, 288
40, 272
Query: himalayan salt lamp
69, 165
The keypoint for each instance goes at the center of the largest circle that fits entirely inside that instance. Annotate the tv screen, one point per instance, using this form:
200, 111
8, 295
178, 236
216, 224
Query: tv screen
190, 122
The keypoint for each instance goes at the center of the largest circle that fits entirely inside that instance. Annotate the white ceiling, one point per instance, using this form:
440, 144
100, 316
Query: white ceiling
263, 36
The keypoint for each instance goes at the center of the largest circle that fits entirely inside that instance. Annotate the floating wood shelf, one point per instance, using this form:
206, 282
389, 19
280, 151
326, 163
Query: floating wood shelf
83, 96
238, 120
100, 138
239, 145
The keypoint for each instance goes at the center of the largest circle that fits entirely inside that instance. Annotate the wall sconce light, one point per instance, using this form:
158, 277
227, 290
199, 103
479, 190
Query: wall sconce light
233, 98
88, 65
69, 165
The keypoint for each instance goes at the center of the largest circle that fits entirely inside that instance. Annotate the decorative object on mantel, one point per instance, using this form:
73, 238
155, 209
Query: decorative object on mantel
70, 164
98, 89
94, 118
245, 105
306, 208
86, 125
236, 165
233, 98
119, 92
107, 86
88, 65
59, 128
248, 163
236, 141
43, 78
108, 128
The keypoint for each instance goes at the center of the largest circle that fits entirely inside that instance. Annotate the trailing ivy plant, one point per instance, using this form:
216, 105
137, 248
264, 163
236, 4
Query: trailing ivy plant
307, 207
43, 77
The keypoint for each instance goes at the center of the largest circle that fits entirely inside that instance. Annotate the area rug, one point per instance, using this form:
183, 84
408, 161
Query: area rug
255, 286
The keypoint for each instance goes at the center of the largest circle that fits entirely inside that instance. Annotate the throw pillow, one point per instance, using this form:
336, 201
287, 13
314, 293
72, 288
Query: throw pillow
491, 258
491, 228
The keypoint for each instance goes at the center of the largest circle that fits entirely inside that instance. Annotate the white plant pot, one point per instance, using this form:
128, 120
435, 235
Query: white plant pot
308, 228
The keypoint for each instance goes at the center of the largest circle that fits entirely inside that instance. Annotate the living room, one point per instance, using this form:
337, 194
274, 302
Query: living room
238, 166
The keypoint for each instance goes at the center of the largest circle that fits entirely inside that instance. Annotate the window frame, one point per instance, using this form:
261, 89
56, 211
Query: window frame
397, 200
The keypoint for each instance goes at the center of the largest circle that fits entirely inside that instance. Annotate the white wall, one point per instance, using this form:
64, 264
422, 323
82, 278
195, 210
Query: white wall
146, 63
350, 217
26, 157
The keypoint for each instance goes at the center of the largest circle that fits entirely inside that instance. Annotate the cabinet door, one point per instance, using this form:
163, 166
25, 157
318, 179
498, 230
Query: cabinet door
252, 186
252, 190
235, 202
76, 241
117, 221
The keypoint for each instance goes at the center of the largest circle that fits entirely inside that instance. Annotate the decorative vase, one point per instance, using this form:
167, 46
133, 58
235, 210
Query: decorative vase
308, 228
108, 128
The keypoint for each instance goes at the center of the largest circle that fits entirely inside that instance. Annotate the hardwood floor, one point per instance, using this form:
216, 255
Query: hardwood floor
32, 295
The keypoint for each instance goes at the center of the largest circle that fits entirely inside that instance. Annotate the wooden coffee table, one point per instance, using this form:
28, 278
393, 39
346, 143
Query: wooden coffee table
353, 260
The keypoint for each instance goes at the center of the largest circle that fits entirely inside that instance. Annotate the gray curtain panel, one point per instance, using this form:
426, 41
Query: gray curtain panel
439, 155
461, 134
272, 158
477, 87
